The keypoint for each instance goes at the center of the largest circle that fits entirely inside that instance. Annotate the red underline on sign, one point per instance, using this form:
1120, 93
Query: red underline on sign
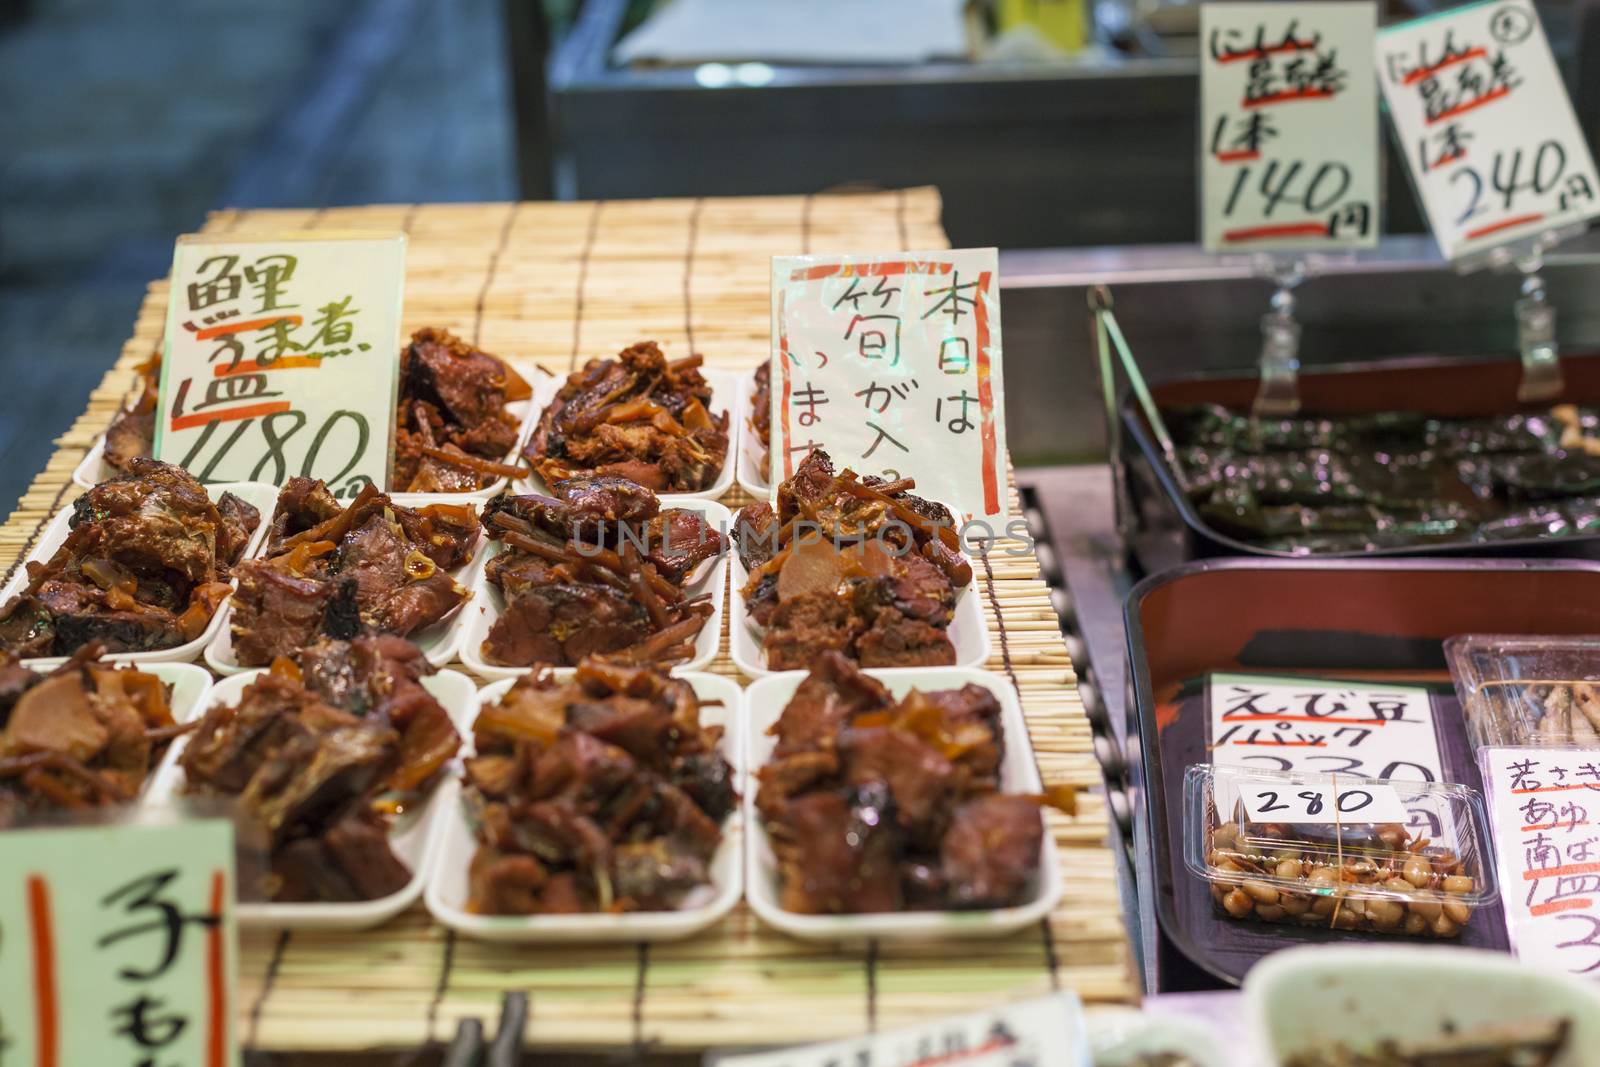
1554, 789
200, 418
250, 366
1304, 718
1239, 156
1556, 826
1505, 224
237, 327
1287, 229
1288, 96
1424, 72
1561, 872
1554, 906
47, 1021
216, 980
994, 1044
991, 483
1262, 53
1470, 104
783, 399
1445, 161
1281, 744
868, 270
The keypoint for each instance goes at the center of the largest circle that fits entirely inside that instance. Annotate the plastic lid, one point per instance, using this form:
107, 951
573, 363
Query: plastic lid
1436, 844
1520, 690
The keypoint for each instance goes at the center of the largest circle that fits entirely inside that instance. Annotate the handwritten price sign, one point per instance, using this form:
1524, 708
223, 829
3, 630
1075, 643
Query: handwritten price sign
892, 365
1348, 801
1484, 123
282, 359
117, 946
1289, 125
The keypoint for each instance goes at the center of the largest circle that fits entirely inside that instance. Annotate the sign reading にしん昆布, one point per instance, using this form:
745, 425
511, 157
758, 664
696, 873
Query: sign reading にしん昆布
117, 946
891, 363
281, 358
1288, 125
1482, 118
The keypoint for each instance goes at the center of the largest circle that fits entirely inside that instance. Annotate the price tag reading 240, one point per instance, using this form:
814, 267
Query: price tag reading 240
1289, 125
281, 359
1352, 801
1488, 134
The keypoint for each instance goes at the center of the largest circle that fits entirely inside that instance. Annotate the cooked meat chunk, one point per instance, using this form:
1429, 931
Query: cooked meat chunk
991, 851
452, 428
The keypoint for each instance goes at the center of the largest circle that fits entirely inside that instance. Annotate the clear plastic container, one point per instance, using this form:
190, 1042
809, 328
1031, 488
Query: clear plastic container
1423, 878
1518, 690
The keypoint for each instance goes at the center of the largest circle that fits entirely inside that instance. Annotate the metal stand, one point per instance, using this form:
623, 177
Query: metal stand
1279, 393
1536, 334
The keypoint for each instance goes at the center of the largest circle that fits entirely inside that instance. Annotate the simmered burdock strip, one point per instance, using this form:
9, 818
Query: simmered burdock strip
85, 735
851, 565
596, 570
602, 793
145, 567
875, 804
374, 567
637, 417
452, 428
319, 755
761, 414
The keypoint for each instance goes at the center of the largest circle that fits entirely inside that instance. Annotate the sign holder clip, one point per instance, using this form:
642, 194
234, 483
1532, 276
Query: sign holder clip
1279, 391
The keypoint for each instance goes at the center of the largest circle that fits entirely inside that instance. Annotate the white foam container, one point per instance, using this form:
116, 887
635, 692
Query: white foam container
1317, 997
447, 891
711, 576
724, 399
968, 630
764, 702
413, 836
751, 451
257, 494
1119, 1037
439, 642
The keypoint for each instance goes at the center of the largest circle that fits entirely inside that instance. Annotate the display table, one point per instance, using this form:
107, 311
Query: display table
553, 284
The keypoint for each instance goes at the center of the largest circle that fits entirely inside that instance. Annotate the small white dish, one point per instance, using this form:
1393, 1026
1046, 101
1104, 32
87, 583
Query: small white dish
724, 393
412, 837
93, 469
447, 891
751, 450
1318, 997
764, 702
440, 642
258, 495
1120, 1036
969, 631
711, 576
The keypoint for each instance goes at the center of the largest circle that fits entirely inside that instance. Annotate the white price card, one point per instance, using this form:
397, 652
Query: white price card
282, 358
117, 946
1047, 1032
891, 363
1288, 125
1484, 123
1325, 726
1544, 805
1350, 800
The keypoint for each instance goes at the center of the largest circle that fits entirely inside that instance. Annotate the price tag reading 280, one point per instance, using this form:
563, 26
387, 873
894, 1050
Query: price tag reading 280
280, 359
1350, 800
1488, 134
1289, 126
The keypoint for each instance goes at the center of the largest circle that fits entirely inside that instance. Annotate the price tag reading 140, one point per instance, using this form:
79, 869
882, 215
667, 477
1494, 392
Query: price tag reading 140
1488, 134
1348, 801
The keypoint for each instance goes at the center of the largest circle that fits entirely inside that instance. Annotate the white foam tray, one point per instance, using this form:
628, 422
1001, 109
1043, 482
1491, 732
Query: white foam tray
724, 398
751, 480
1313, 998
439, 642
257, 494
1122, 1037
711, 576
447, 891
969, 632
412, 836
93, 468
764, 702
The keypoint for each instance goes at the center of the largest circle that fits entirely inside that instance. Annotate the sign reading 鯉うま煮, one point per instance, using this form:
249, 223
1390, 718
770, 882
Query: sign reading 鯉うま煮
117, 946
1288, 126
281, 358
1484, 123
891, 363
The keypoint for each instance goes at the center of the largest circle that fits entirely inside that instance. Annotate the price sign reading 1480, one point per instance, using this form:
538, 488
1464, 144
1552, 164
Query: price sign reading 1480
280, 359
1289, 125
1484, 123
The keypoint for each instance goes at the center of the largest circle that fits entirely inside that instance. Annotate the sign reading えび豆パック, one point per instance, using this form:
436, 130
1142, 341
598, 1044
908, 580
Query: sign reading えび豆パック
281, 358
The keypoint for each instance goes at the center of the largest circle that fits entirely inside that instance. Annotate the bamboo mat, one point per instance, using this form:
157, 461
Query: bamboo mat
553, 284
